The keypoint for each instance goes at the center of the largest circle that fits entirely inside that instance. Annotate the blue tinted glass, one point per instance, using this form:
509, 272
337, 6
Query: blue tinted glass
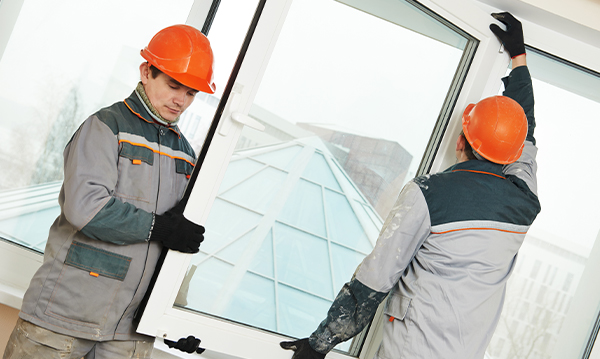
226, 223
30, 229
345, 262
203, 289
238, 171
302, 260
304, 208
253, 302
280, 158
258, 191
299, 312
318, 171
344, 226
235, 249
263, 261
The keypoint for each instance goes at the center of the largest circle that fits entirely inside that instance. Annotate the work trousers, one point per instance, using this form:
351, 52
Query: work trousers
28, 341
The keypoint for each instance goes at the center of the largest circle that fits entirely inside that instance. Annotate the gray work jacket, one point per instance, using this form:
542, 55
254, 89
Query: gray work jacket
120, 167
444, 256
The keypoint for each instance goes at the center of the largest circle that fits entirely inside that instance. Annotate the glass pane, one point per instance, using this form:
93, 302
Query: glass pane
257, 191
556, 249
304, 208
81, 72
281, 159
344, 226
348, 117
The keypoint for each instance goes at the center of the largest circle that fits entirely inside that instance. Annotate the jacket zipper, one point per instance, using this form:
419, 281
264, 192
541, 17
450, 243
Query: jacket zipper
161, 133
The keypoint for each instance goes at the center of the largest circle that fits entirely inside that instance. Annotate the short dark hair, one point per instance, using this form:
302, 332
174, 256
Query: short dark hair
468, 149
154, 71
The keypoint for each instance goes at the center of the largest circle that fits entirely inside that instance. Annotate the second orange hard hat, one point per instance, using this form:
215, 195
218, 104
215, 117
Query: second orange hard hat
183, 53
496, 128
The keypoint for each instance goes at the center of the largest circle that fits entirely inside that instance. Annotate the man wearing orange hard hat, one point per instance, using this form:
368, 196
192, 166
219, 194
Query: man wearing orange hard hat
126, 169
450, 243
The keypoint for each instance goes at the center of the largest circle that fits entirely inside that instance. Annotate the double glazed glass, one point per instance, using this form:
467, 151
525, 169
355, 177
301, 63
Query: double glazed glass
557, 248
348, 112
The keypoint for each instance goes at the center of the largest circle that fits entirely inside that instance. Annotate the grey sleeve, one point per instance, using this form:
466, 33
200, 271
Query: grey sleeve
91, 175
403, 233
519, 87
406, 228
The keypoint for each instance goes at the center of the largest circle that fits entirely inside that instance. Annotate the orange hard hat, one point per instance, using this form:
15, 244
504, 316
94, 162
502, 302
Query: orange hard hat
183, 53
496, 128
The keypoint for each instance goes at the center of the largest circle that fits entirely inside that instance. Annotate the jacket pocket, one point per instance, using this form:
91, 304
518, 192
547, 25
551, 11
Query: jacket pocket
183, 170
396, 335
98, 261
137, 178
183, 167
397, 306
88, 285
137, 153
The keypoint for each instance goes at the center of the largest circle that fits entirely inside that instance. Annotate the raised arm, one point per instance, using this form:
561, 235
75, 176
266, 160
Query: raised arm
518, 86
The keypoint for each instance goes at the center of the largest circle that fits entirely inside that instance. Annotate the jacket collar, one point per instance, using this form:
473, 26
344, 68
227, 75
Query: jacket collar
135, 106
478, 166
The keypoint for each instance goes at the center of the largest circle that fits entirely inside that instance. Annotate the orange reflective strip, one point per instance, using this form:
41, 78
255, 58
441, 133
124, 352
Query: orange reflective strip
485, 173
479, 229
140, 116
94, 274
137, 114
137, 162
155, 151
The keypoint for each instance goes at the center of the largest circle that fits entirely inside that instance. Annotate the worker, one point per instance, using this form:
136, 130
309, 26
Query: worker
125, 172
451, 240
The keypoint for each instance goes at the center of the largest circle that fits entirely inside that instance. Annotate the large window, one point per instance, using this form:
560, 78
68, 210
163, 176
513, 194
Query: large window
558, 246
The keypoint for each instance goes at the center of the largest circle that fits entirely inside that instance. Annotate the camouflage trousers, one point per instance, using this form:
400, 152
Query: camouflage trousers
28, 341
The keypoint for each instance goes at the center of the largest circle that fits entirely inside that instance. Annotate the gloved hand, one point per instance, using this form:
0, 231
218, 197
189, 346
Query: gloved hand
189, 345
176, 232
512, 38
302, 349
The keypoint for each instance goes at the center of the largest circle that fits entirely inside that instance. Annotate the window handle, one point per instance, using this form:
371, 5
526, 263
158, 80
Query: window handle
236, 116
247, 121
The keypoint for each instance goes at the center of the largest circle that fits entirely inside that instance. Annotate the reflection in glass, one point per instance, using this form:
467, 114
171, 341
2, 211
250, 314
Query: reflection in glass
555, 252
348, 115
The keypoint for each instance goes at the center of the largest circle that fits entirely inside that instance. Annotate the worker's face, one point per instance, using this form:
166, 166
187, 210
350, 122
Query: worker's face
169, 97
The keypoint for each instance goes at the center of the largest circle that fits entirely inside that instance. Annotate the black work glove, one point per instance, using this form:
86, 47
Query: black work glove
512, 38
189, 345
302, 349
176, 232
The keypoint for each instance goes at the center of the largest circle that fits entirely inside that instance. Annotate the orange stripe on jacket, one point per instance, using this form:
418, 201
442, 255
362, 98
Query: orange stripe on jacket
485, 173
155, 151
479, 229
142, 117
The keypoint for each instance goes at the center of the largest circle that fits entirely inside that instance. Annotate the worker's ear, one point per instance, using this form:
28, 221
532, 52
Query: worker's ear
460, 143
144, 72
